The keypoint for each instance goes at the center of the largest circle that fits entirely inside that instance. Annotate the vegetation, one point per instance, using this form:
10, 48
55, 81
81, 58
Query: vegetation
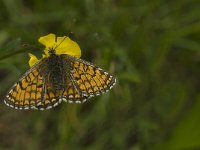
152, 47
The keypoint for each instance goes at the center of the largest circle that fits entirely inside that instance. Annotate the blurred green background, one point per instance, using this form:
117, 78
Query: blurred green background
152, 47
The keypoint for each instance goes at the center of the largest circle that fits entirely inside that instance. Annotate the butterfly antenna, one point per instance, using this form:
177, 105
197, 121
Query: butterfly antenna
60, 42
70, 33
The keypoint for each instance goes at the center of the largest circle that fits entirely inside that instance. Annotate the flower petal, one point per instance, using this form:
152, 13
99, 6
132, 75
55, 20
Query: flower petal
33, 59
66, 46
62, 45
48, 41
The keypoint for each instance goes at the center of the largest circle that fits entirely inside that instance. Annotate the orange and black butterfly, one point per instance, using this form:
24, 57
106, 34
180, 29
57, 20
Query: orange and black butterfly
58, 78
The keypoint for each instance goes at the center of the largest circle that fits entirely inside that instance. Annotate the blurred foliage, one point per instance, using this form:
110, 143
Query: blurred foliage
152, 47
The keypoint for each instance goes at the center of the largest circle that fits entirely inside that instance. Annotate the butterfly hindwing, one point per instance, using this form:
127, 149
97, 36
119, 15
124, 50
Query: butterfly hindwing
72, 94
51, 99
89, 80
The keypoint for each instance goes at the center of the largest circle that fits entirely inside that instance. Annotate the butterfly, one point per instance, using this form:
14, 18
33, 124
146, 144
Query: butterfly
57, 78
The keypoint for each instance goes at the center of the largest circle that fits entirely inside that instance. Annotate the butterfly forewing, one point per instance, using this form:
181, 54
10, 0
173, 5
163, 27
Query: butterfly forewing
27, 91
32, 92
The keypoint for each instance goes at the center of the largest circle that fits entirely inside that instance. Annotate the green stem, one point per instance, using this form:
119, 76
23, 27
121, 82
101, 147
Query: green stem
12, 54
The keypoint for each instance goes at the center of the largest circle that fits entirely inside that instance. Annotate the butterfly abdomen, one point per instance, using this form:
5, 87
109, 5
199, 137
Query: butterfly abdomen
56, 72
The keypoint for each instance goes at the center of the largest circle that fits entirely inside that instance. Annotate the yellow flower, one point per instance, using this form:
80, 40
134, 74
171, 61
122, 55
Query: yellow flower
61, 45
33, 59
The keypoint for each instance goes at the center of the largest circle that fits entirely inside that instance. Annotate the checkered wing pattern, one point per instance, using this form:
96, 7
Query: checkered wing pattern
80, 80
87, 81
31, 92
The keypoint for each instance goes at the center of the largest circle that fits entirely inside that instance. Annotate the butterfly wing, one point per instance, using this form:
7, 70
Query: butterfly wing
72, 94
88, 79
34, 91
51, 99
31, 91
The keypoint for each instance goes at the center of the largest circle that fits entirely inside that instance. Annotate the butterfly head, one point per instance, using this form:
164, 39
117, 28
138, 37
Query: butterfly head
51, 51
